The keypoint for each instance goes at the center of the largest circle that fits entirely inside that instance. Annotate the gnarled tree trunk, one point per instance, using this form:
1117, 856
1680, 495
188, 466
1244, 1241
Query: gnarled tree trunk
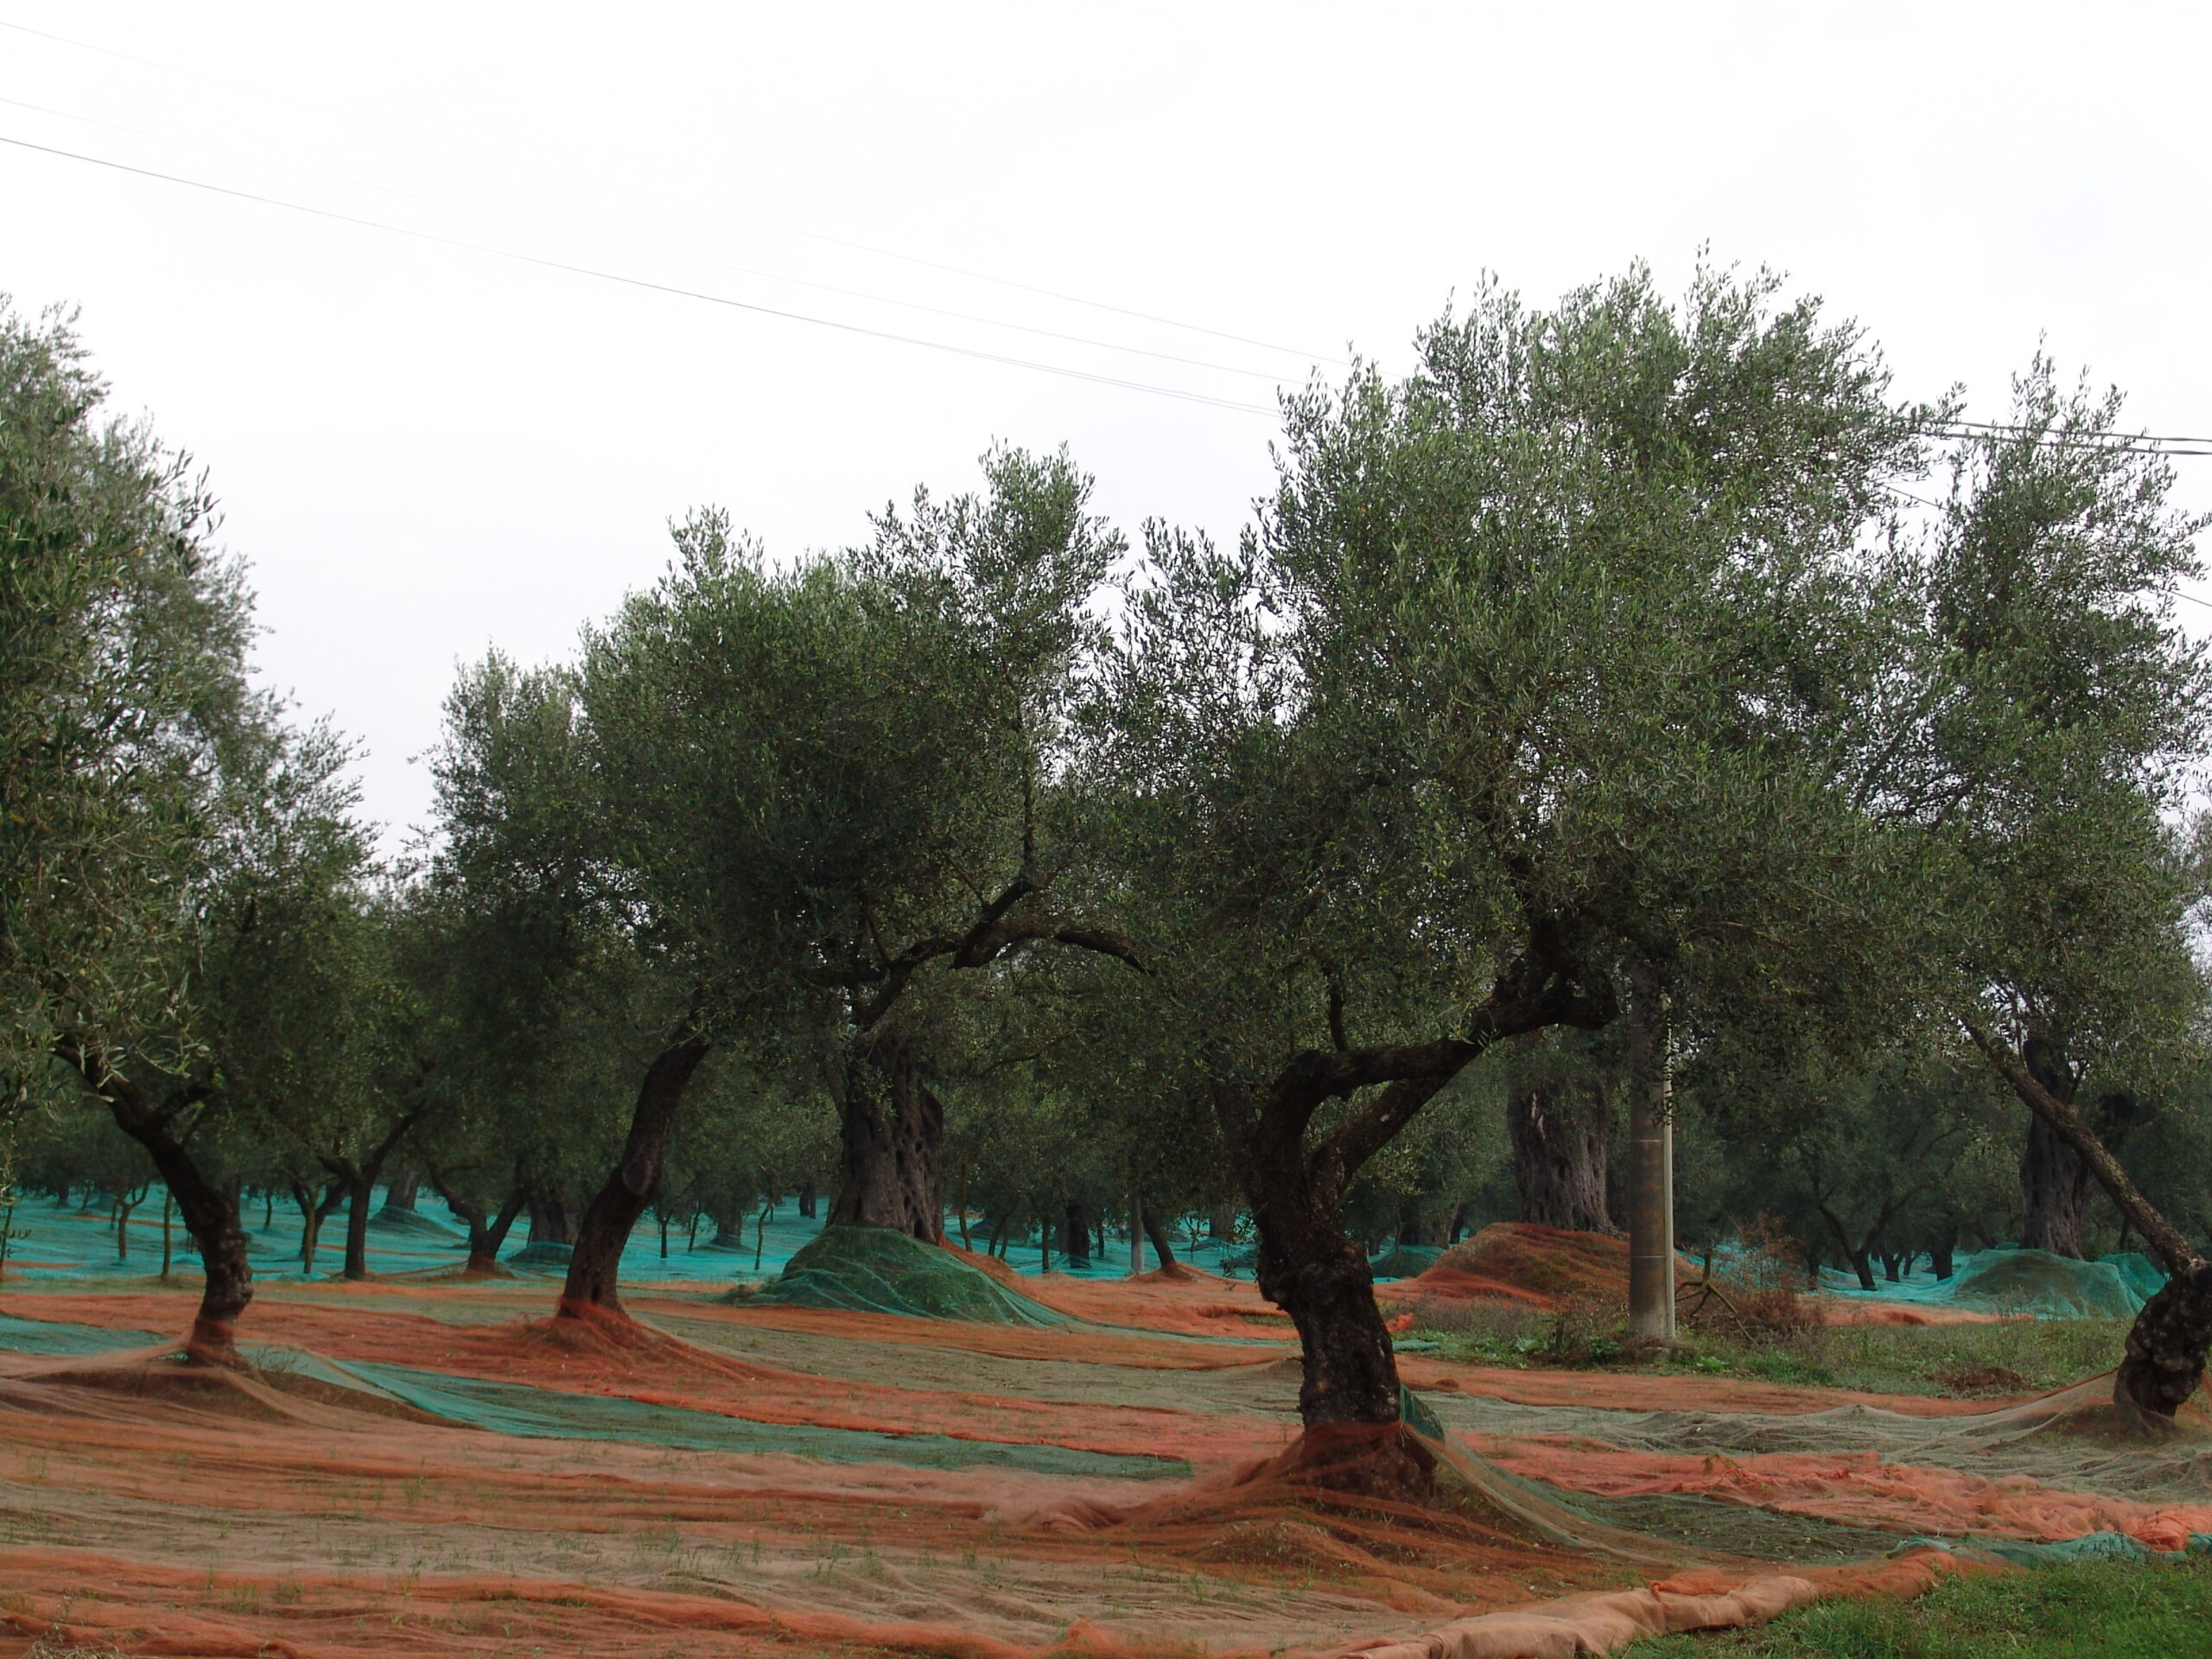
1305, 1264
2055, 1184
552, 1219
1162, 1246
210, 1207
892, 1168
485, 1236
2171, 1338
359, 1180
594, 1265
1562, 1128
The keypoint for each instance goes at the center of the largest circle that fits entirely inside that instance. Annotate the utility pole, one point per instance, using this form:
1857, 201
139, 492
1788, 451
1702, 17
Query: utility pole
1651, 1164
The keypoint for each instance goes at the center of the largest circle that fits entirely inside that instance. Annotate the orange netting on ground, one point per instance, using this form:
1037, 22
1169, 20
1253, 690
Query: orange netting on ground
1519, 1263
418, 1466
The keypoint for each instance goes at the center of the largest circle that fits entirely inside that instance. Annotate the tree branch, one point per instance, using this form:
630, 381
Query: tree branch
2173, 1246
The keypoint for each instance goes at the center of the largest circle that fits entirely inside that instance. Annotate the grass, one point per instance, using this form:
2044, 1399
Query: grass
2014, 1356
2104, 1611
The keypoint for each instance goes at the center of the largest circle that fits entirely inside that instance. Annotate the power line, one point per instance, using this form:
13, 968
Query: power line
816, 236
1073, 299
2127, 443
754, 270
2085, 432
642, 282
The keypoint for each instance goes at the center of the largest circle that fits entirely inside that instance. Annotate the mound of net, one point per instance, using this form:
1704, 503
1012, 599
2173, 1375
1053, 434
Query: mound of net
2143, 1276
412, 1223
1405, 1261
1520, 1262
2031, 1283
2047, 1286
881, 1270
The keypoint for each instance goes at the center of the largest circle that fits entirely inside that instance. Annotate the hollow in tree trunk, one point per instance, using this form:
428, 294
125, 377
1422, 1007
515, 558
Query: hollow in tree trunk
1561, 1130
892, 1132
594, 1265
209, 1207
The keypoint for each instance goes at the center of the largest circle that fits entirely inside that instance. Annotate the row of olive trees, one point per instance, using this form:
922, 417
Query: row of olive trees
1596, 678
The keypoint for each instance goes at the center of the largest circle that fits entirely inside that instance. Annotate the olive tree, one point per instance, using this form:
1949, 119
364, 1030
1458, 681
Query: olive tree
1543, 671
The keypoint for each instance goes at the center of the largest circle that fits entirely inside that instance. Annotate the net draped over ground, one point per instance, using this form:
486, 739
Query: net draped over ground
927, 1450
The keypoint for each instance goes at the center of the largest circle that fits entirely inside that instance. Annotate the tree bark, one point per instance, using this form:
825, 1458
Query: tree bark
399, 1194
1075, 1238
806, 1201
552, 1219
594, 1265
1305, 1264
1562, 1133
2055, 1184
209, 1208
310, 1203
485, 1237
891, 1169
1418, 1229
1157, 1233
359, 1180
2171, 1338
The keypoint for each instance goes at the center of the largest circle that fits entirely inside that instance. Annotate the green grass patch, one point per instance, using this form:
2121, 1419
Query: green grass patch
2014, 1356
2104, 1610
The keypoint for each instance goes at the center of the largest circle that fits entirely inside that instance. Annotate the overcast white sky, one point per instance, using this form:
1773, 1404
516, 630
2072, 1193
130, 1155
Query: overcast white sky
425, 450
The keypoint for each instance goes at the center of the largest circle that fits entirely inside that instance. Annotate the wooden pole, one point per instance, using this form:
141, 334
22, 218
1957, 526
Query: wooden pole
1651, 1196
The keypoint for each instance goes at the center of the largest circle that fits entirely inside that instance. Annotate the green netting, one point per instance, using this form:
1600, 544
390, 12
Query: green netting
2144, 1276
2049, 1286
1404, 1260
48, 1337
413, 1224
2022, 1552
542, 1253
549, 1413
2009, 1280
881, 1270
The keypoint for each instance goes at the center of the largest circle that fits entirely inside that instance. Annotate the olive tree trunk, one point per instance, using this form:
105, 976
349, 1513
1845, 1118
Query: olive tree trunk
2055, 1184
595, 1264
2168, 1345
486, 1236
1305, 1264
1562, 1128
890, 1171
210, 1207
